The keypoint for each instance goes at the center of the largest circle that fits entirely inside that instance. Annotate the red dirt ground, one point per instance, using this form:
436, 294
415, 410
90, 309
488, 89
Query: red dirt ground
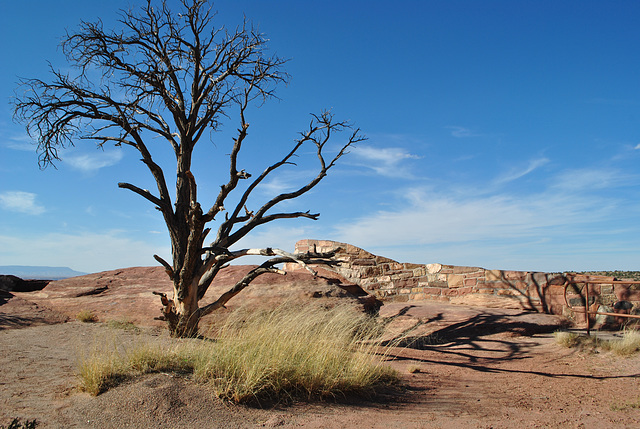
467, 368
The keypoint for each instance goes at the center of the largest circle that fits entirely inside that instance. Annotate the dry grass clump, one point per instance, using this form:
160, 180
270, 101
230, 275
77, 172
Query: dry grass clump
106, 367
627, 345
293, 351
263, 356
123, 324
571, 339
87, 316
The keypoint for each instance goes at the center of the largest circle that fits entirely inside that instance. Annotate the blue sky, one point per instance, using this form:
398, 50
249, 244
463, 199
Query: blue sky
501, 134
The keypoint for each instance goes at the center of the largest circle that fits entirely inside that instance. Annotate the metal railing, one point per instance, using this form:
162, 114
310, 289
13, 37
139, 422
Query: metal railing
586, 281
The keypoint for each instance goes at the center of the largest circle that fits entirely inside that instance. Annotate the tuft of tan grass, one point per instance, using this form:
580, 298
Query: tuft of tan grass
569, 339
290, 351
108, 365
123, 324
295, 351
87, 316
627, 345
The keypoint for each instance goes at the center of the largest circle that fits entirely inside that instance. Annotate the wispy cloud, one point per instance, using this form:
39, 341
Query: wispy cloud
384, 161
517, 173
20, 202
637, 146
587, 179
462, 132
21, 143
88, 163
456, 222
276, 186
286, 180
429, 218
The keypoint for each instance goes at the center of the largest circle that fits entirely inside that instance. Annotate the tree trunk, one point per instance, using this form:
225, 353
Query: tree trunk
186, 324
185, 315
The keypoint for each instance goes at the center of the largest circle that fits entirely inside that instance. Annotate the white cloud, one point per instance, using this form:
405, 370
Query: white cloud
92, 162
428, 219
637, 146
21, 202
517, 173
384, 161
285, 180
587, 179
276, 186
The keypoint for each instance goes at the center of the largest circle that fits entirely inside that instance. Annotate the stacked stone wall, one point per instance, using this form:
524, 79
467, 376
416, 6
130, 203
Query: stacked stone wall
390, 280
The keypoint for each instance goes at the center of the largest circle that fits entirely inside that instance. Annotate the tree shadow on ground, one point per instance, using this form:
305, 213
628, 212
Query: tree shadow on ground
473, 344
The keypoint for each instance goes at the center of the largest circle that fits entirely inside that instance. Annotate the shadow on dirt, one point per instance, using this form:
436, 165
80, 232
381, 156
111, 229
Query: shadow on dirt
14, 322
479, 342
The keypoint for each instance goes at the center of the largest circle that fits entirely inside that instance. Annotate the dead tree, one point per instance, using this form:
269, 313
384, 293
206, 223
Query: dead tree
176, 76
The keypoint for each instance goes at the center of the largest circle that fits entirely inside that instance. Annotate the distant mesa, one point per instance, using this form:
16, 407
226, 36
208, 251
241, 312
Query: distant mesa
39, 273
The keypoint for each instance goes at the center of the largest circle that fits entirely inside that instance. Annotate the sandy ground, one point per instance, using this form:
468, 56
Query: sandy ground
480, 374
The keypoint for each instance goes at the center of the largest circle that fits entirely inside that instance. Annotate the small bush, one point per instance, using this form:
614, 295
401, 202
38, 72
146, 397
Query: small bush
289, 352
87, 316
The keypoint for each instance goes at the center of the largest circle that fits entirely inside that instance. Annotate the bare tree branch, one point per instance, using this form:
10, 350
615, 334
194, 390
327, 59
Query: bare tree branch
167, 78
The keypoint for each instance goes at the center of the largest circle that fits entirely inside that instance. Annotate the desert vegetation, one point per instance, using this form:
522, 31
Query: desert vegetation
123, 324
625, 346
256, 356
631, 275
86, 316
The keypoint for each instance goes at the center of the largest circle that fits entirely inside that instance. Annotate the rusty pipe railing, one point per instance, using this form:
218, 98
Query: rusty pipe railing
586, 311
